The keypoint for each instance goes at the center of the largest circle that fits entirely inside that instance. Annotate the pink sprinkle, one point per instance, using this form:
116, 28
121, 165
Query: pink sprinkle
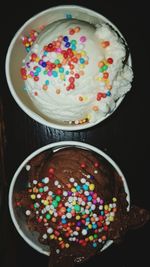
94, 201
82, 39
49, 73
32, 73
101, 201
59, 50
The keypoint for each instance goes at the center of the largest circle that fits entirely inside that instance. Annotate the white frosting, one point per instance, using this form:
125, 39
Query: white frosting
66, 106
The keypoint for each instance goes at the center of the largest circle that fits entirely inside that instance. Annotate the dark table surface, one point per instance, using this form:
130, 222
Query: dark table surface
125, 136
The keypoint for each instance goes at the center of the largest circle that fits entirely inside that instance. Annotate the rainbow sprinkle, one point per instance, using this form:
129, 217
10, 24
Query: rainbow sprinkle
70, 213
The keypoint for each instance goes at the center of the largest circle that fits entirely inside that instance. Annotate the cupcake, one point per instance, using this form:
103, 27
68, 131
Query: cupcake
76, 202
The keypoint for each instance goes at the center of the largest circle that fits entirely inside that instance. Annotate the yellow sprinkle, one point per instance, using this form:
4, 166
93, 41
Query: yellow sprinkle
67, 245
73, 202
90, 226
91, 187
37, 59
60, 238
114, 199
52, 236
85, 98
60, 57
91, 237
33, 196
73, 190
83, 53
78, 217
45, 202
106, 207
111, 219
62, 76
89, 117
81, 66
51, 212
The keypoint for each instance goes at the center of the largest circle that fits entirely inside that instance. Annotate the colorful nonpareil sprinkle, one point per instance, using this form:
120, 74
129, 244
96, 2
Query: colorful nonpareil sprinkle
61, 59
73, 212
29, 40
57, 68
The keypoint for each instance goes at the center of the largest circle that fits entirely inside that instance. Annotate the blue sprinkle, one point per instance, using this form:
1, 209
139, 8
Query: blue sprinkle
54, 73
94, 245
45, 53
91, 177
68, 16
94, 226
67, 44
68, 209
36, 73
28, 49
44, 64
65, 39
38, 69
63, 221
78, 187
73, 47
67, 72
85, 187
47, 82
61, 70
82, 60
89, 198
102, 212
108, 93
87, 219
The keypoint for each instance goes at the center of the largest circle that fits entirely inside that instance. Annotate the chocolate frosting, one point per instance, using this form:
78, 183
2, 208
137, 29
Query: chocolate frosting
79, 163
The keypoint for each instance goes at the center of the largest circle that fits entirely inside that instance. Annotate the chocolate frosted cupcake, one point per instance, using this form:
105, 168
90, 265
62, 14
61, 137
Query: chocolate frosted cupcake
75, 200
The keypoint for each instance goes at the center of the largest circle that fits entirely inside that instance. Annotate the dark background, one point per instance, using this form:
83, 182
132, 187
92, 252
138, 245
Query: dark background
125, 136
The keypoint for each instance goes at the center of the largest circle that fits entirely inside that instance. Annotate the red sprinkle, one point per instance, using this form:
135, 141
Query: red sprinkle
51, 170
110, 60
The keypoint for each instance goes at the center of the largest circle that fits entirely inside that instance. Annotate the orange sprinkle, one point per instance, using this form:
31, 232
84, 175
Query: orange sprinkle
78, 55
69, 185
105, 44
45, 87
81, 72
109, 87
114, 209
100, 64
95, 108
58, 91
53, 219
77, 29
103, 237
105, 75
80, 98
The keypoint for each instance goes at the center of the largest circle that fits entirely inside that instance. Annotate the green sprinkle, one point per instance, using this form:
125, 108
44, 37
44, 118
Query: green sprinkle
41, 190
55, 203
58, 198
48, 216
77, 208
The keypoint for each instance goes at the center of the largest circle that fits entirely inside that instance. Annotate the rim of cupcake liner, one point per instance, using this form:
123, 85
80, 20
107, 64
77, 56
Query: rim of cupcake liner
30, 112
54, 147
